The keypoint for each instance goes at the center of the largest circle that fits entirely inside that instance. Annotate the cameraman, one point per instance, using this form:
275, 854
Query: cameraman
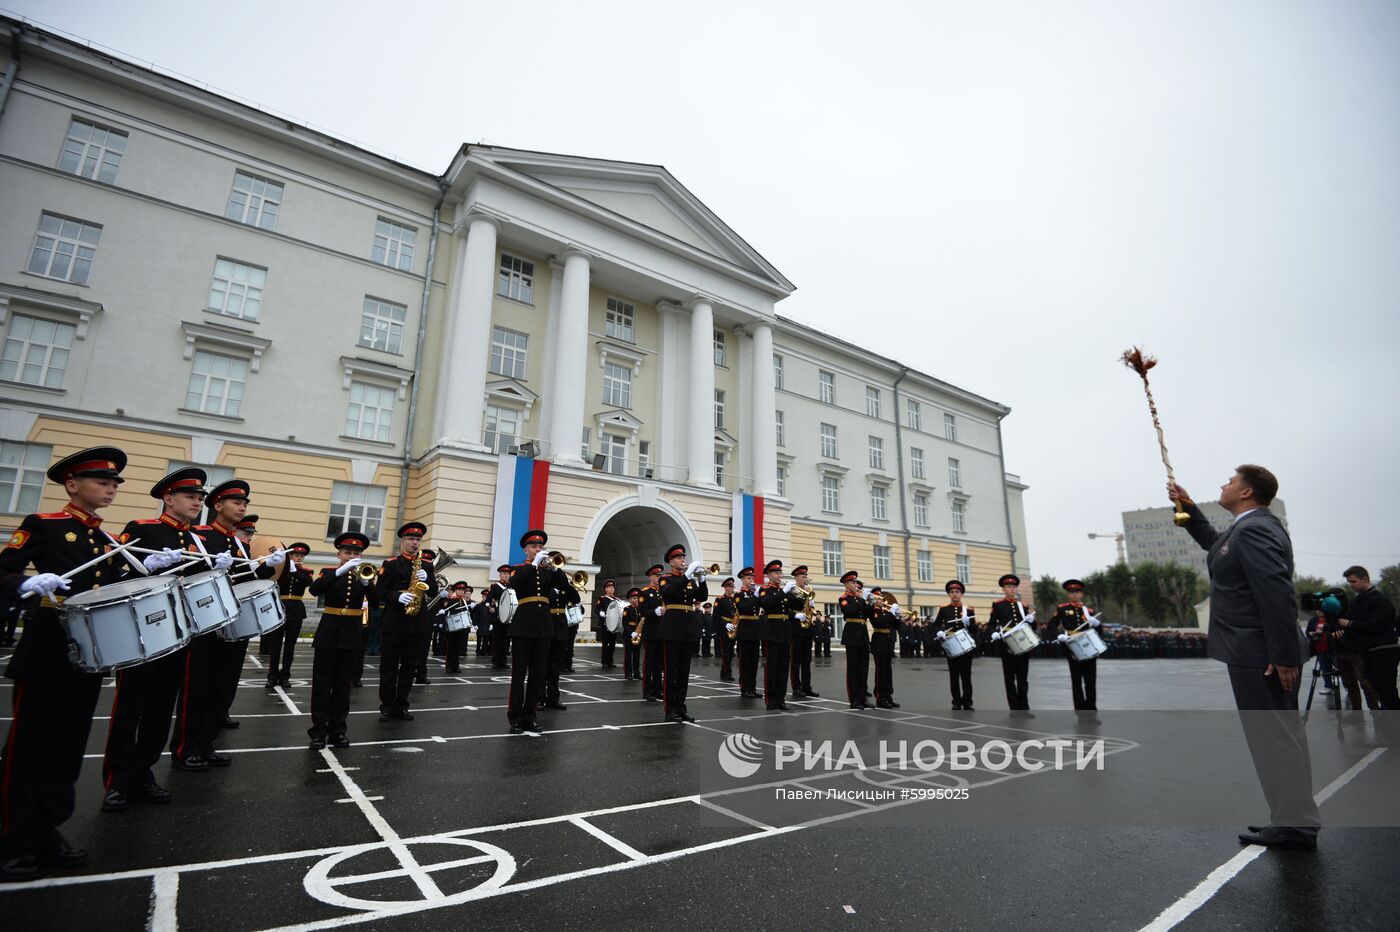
1370, 625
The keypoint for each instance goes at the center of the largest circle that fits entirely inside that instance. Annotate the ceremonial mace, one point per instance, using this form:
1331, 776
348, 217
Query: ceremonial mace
1135, 360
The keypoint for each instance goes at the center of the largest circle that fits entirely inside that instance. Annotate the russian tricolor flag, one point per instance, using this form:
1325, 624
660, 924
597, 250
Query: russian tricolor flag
746, 533
522, 487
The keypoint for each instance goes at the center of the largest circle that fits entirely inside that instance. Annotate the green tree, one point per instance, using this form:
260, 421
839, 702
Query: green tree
1047, 593
1119, 581
1181, 587
1096, 593
1149, 588
1389, 582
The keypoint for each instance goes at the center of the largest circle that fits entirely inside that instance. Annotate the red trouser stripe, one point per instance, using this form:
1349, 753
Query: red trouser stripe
184, 719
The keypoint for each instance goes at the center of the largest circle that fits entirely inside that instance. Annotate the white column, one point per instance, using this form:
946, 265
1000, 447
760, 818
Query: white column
566, 391
551, 349
467, 337
700, 453
763, 440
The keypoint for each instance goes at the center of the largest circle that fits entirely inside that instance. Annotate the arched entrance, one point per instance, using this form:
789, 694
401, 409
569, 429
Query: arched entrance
627, 537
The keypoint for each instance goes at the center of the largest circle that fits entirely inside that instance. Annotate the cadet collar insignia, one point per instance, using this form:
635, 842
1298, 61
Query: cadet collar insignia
88, 519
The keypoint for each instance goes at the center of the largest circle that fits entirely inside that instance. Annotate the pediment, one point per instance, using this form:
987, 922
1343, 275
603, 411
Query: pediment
617, 418
509, 390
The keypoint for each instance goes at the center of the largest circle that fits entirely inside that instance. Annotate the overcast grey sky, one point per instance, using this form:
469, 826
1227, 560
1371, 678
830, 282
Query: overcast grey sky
1005, 195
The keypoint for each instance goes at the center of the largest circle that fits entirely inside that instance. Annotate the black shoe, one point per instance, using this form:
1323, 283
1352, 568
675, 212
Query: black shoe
56, 852
957, 706
403, 715
967, 707
749, 695
421, 681
857, 705
115, 801
230, 722
567, 670
285, 681
1281, 837
318, 743
151, 792
516, 728
216, 759
534, 727
557, 706
812, 695
893, 704
652, 699
884, 704
339, 741
272, 683
24, 867
686, 717
673, 717
453, 671
194, 763
384, 715
781, 707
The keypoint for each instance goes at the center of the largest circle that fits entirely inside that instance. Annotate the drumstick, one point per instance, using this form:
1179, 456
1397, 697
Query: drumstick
93, 562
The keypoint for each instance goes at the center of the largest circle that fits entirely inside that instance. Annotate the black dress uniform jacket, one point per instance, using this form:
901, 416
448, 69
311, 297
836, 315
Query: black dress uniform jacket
394, 578
776, 625
680, 594
344, 592
884, 633
291, 586
857, 612
1067, 617
533, 586
748, 609
646, 608
1006, 613
948, 616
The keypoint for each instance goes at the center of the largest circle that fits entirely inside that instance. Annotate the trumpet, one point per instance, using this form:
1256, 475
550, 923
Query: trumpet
558, 559
711, 570
367, 572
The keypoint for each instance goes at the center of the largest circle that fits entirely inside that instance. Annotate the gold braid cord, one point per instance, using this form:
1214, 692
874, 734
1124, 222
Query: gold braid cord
1138, 361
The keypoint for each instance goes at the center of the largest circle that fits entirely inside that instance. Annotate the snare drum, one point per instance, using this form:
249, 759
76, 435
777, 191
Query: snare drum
505, 607
125, 623
1086, 645
958, 642
574, 615
1021, 639
259, 611
460, 620
208, 600
612, 616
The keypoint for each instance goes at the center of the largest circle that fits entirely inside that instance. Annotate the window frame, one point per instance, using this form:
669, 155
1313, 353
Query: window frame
831, 494
875, 447
832, 437
349, 503
393, 343
250, 195
913, 414
24, 485
872, 401
826, 387
208, 376
84, 252
881, 555
916, 463
617, 385
501, 350
401, 248
833, 557
510, 278
230, 284
624, 327
27, 343
383, 422
721, 349
101, 162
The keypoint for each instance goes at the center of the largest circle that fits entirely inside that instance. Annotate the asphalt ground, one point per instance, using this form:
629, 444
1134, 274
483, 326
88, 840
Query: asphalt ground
613, 817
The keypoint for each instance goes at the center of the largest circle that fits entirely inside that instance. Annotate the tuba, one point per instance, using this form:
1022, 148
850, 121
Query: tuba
809, 598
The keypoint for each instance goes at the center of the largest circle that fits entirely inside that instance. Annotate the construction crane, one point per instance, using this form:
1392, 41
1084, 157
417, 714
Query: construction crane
1117, 539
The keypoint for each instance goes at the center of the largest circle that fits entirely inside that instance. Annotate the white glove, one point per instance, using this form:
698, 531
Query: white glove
659, 611
223, 561
943, 635
541, 558
693, 569
275, 559
44, 584
1029, 616
869, 594
800, 616
422, 575
636, 637
789, 586
897, 610
405, 598
966, 621
1063, 638
729, 627
348, 565
1093, 622
159, 561
996, 635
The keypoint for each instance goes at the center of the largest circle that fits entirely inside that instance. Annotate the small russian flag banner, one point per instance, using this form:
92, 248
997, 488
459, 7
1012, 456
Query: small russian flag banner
522, 487
746, 533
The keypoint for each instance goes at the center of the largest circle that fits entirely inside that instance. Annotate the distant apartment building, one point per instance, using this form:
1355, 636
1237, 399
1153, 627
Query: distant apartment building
1151, 537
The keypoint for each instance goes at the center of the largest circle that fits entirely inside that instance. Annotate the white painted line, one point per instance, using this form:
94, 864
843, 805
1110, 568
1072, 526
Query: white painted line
165, 890
617, 844
569, 692
256, 663
1200, 894
373, 799
352, 879
287, 700
701, 801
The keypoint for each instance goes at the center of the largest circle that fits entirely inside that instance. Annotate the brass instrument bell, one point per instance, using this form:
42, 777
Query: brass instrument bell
367, 572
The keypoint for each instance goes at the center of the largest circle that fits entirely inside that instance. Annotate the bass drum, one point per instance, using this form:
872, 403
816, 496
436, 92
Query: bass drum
505, 608
613, 616
262, 546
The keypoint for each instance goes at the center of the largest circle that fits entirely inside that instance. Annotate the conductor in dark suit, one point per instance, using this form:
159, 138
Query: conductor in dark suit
1254, 630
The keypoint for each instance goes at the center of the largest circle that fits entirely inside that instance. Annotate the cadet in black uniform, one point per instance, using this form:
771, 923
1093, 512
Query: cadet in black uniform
749, 619
403, 635
282, 643
775, 630
433, 631
532, 630
631, 650
460, 600
1083, 674
726, 627
1015, 670
802, 637
950, 617
821, 636
500, 633
608, 639
339, 642
53, 701
884, 632
677, 619
145, 695
560, 598
855, 638
650, 635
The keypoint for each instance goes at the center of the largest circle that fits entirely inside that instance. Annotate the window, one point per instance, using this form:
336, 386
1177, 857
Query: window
371, 412
617, 385
720, 355
832, 559
615, 449
777, 371
719, 467
508, 351
719, 409
517, 279
780, 427
393, 244
831, 494
254, 201
216, 384
782, 481
879, 500
924, 561
882, 563
826, 387
954, 473
950, 427
644, 458
64, 248
356, 508
959, 518
829, 441
502, 429
877, 453
872, 401
36, 351
381, 325
92, 152
964, 569
237, 289
916, 462
914, 415
22, 467
586, 452
920, 510
621, 316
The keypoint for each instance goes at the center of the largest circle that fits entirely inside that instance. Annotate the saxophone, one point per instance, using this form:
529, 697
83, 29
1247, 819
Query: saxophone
809, 597
416, 587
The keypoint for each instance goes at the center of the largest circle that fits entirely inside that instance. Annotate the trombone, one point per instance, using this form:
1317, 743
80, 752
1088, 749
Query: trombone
578, 579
